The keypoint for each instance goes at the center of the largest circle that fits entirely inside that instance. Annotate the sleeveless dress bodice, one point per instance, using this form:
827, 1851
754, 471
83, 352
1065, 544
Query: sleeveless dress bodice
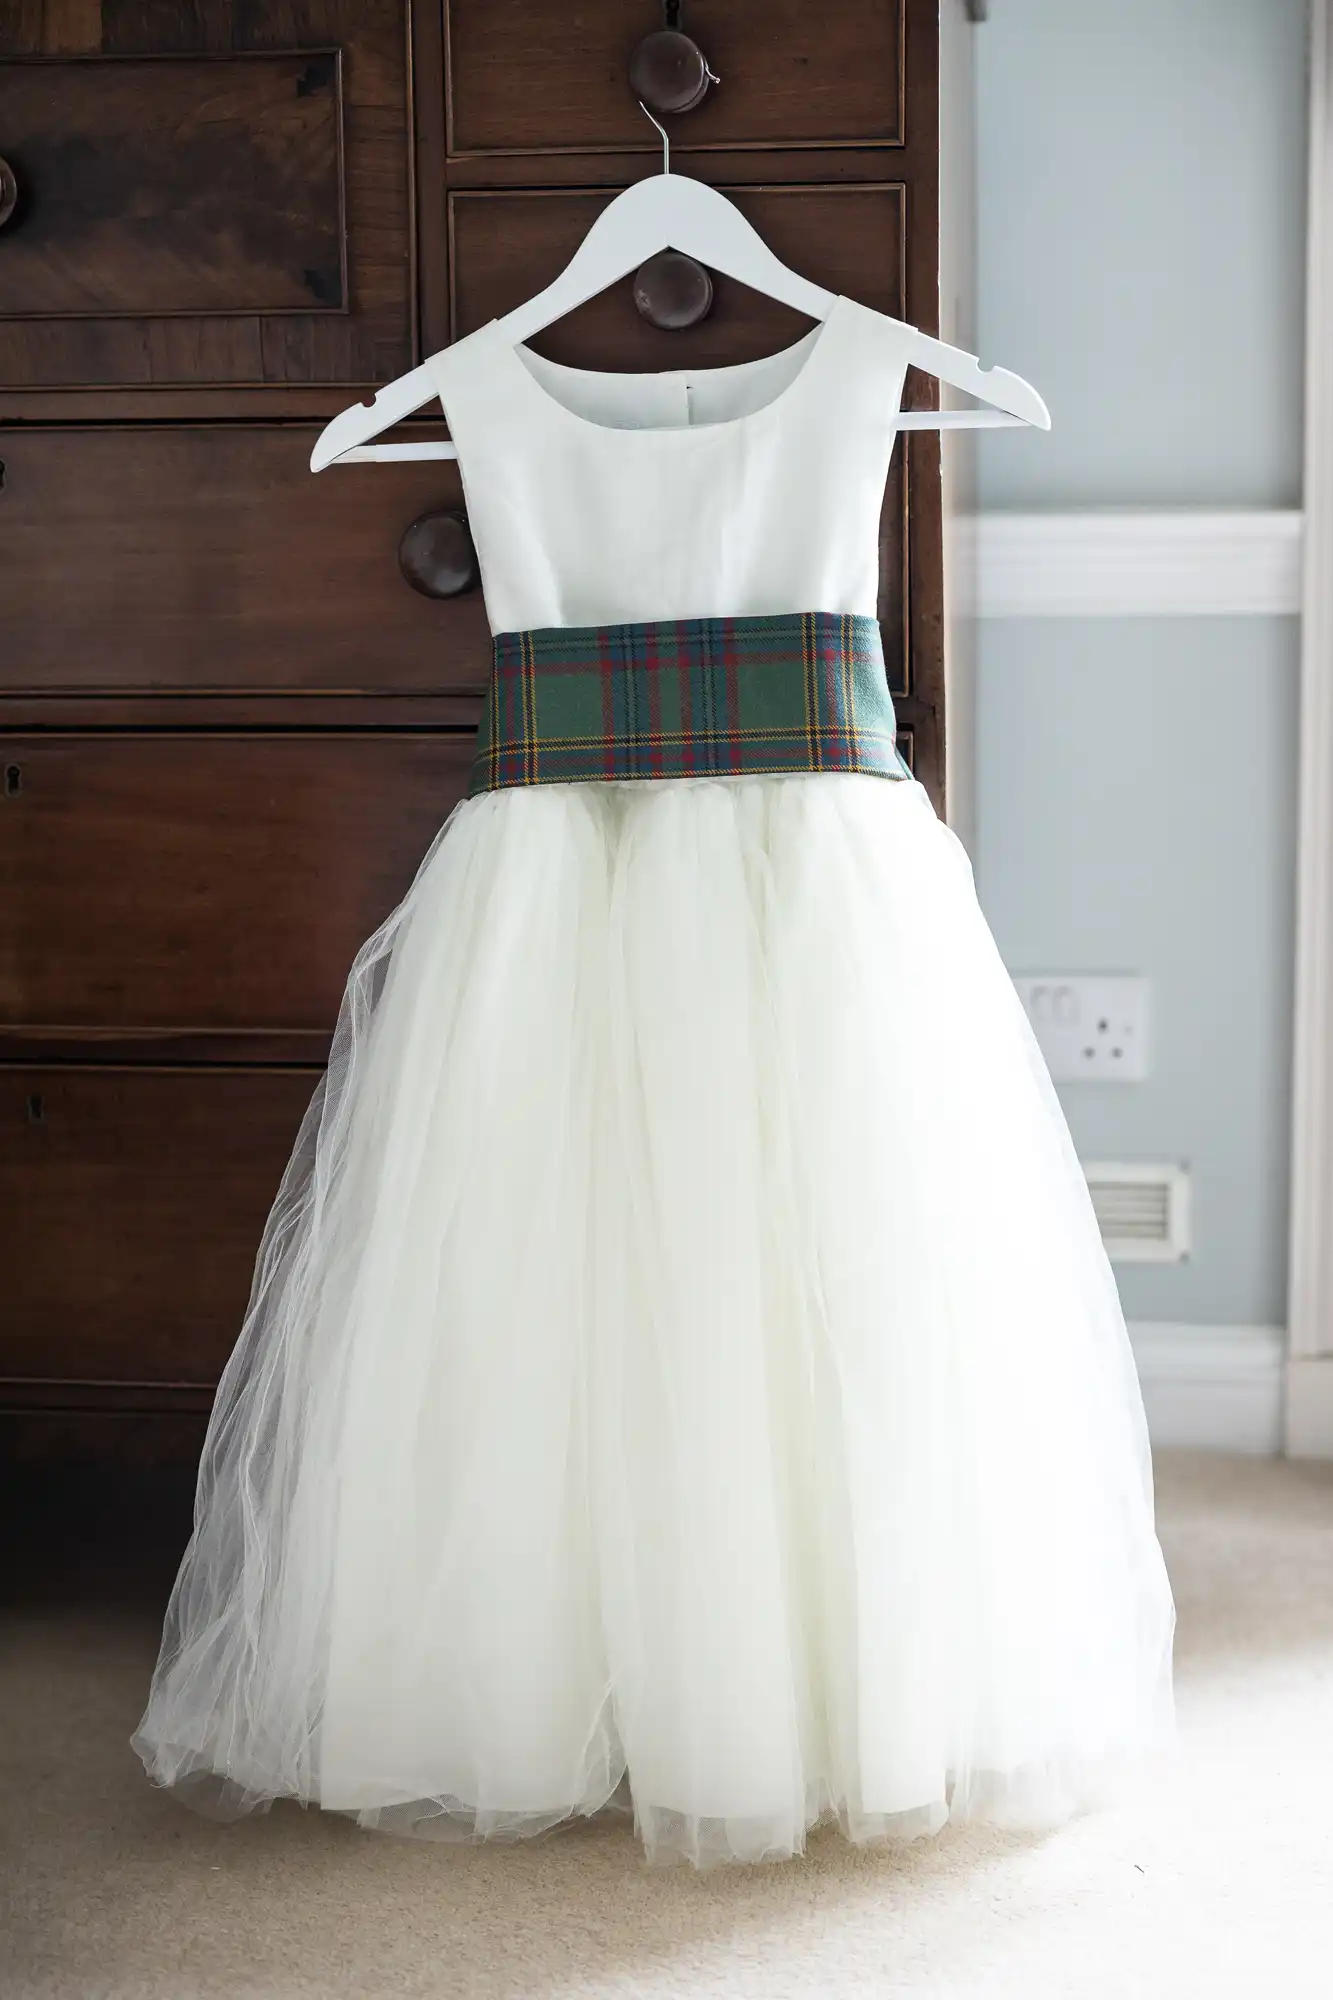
599, 499
681, 570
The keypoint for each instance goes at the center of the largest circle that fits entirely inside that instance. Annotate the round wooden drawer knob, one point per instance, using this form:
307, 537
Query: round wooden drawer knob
669, 72
673, 291
437, 555
9, 192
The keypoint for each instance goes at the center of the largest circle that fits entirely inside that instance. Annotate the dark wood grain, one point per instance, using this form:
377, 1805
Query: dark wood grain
894, 622
184, 883
207, 247
203, 402
131, 1204
197, 559
319, 709
74, 1432
505, 245
533, 76
430, 188
186, 184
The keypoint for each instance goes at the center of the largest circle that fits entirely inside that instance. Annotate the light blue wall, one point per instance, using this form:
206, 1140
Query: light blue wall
1141, 217
1161, 846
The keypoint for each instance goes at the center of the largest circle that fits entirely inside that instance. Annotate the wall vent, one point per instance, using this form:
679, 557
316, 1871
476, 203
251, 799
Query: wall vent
1142, 1210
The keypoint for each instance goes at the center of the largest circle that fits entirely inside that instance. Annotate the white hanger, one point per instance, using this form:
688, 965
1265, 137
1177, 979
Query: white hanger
670, 211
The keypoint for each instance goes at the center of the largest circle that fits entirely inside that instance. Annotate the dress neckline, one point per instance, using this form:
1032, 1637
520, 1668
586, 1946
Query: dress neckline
816, 341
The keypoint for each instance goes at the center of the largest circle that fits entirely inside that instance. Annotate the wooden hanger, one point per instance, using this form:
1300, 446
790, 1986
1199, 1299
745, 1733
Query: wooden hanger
670, 211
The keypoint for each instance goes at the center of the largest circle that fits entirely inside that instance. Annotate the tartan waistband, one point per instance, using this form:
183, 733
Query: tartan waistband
687, 697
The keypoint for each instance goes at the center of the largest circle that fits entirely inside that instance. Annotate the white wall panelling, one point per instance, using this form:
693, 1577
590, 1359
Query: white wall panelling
1310, 1383
1218, 1388
1182, 562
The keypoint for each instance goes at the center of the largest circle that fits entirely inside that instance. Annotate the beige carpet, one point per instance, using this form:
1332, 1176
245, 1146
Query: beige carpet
1219, 1882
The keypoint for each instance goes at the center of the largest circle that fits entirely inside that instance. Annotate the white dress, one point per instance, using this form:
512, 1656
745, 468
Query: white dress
683, 1372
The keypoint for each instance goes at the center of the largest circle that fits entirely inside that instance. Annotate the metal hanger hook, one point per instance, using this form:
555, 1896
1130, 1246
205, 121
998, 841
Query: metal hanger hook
666, 143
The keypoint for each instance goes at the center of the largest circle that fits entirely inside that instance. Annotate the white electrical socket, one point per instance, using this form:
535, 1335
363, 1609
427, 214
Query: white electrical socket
1092, 1027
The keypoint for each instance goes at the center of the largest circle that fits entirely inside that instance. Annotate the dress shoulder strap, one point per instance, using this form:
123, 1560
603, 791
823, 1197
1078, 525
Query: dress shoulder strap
864, 387
465, 378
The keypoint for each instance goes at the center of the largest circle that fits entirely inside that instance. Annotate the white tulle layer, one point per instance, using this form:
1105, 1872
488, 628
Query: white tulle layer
682, 1372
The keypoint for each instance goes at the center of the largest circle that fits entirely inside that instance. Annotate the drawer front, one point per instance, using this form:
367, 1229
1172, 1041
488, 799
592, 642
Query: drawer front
537, 78
211, 560
122, 167
201, 202
506, 245
131, 1206
185, 885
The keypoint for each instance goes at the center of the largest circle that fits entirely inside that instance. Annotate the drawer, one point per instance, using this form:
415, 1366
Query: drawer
230, 212
131, 1206
537, 78
166, 886
209, 562
505, 245
210, 559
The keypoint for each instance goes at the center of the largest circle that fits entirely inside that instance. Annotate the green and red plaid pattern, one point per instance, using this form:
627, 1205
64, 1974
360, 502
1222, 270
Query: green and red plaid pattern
687, 697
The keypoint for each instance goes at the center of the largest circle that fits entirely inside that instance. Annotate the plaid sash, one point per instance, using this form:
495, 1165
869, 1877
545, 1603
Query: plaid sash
687, 697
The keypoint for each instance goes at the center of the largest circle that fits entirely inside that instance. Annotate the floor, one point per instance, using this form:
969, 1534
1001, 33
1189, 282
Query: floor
1219, 1881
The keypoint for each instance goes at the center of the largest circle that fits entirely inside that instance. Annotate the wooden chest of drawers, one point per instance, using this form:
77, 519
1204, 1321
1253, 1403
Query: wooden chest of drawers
228, 727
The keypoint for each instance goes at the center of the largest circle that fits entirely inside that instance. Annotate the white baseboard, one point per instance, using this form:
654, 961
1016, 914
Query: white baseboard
1310, 1406
1220, 1388
1184, 562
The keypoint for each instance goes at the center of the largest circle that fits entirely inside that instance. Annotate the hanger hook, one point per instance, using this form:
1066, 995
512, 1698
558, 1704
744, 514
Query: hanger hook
666, 143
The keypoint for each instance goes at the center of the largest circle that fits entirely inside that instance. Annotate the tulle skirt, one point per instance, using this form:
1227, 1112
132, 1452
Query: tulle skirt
682, 1372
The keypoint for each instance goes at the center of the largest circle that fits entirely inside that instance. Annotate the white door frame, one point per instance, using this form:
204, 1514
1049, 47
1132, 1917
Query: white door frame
1310, 1309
